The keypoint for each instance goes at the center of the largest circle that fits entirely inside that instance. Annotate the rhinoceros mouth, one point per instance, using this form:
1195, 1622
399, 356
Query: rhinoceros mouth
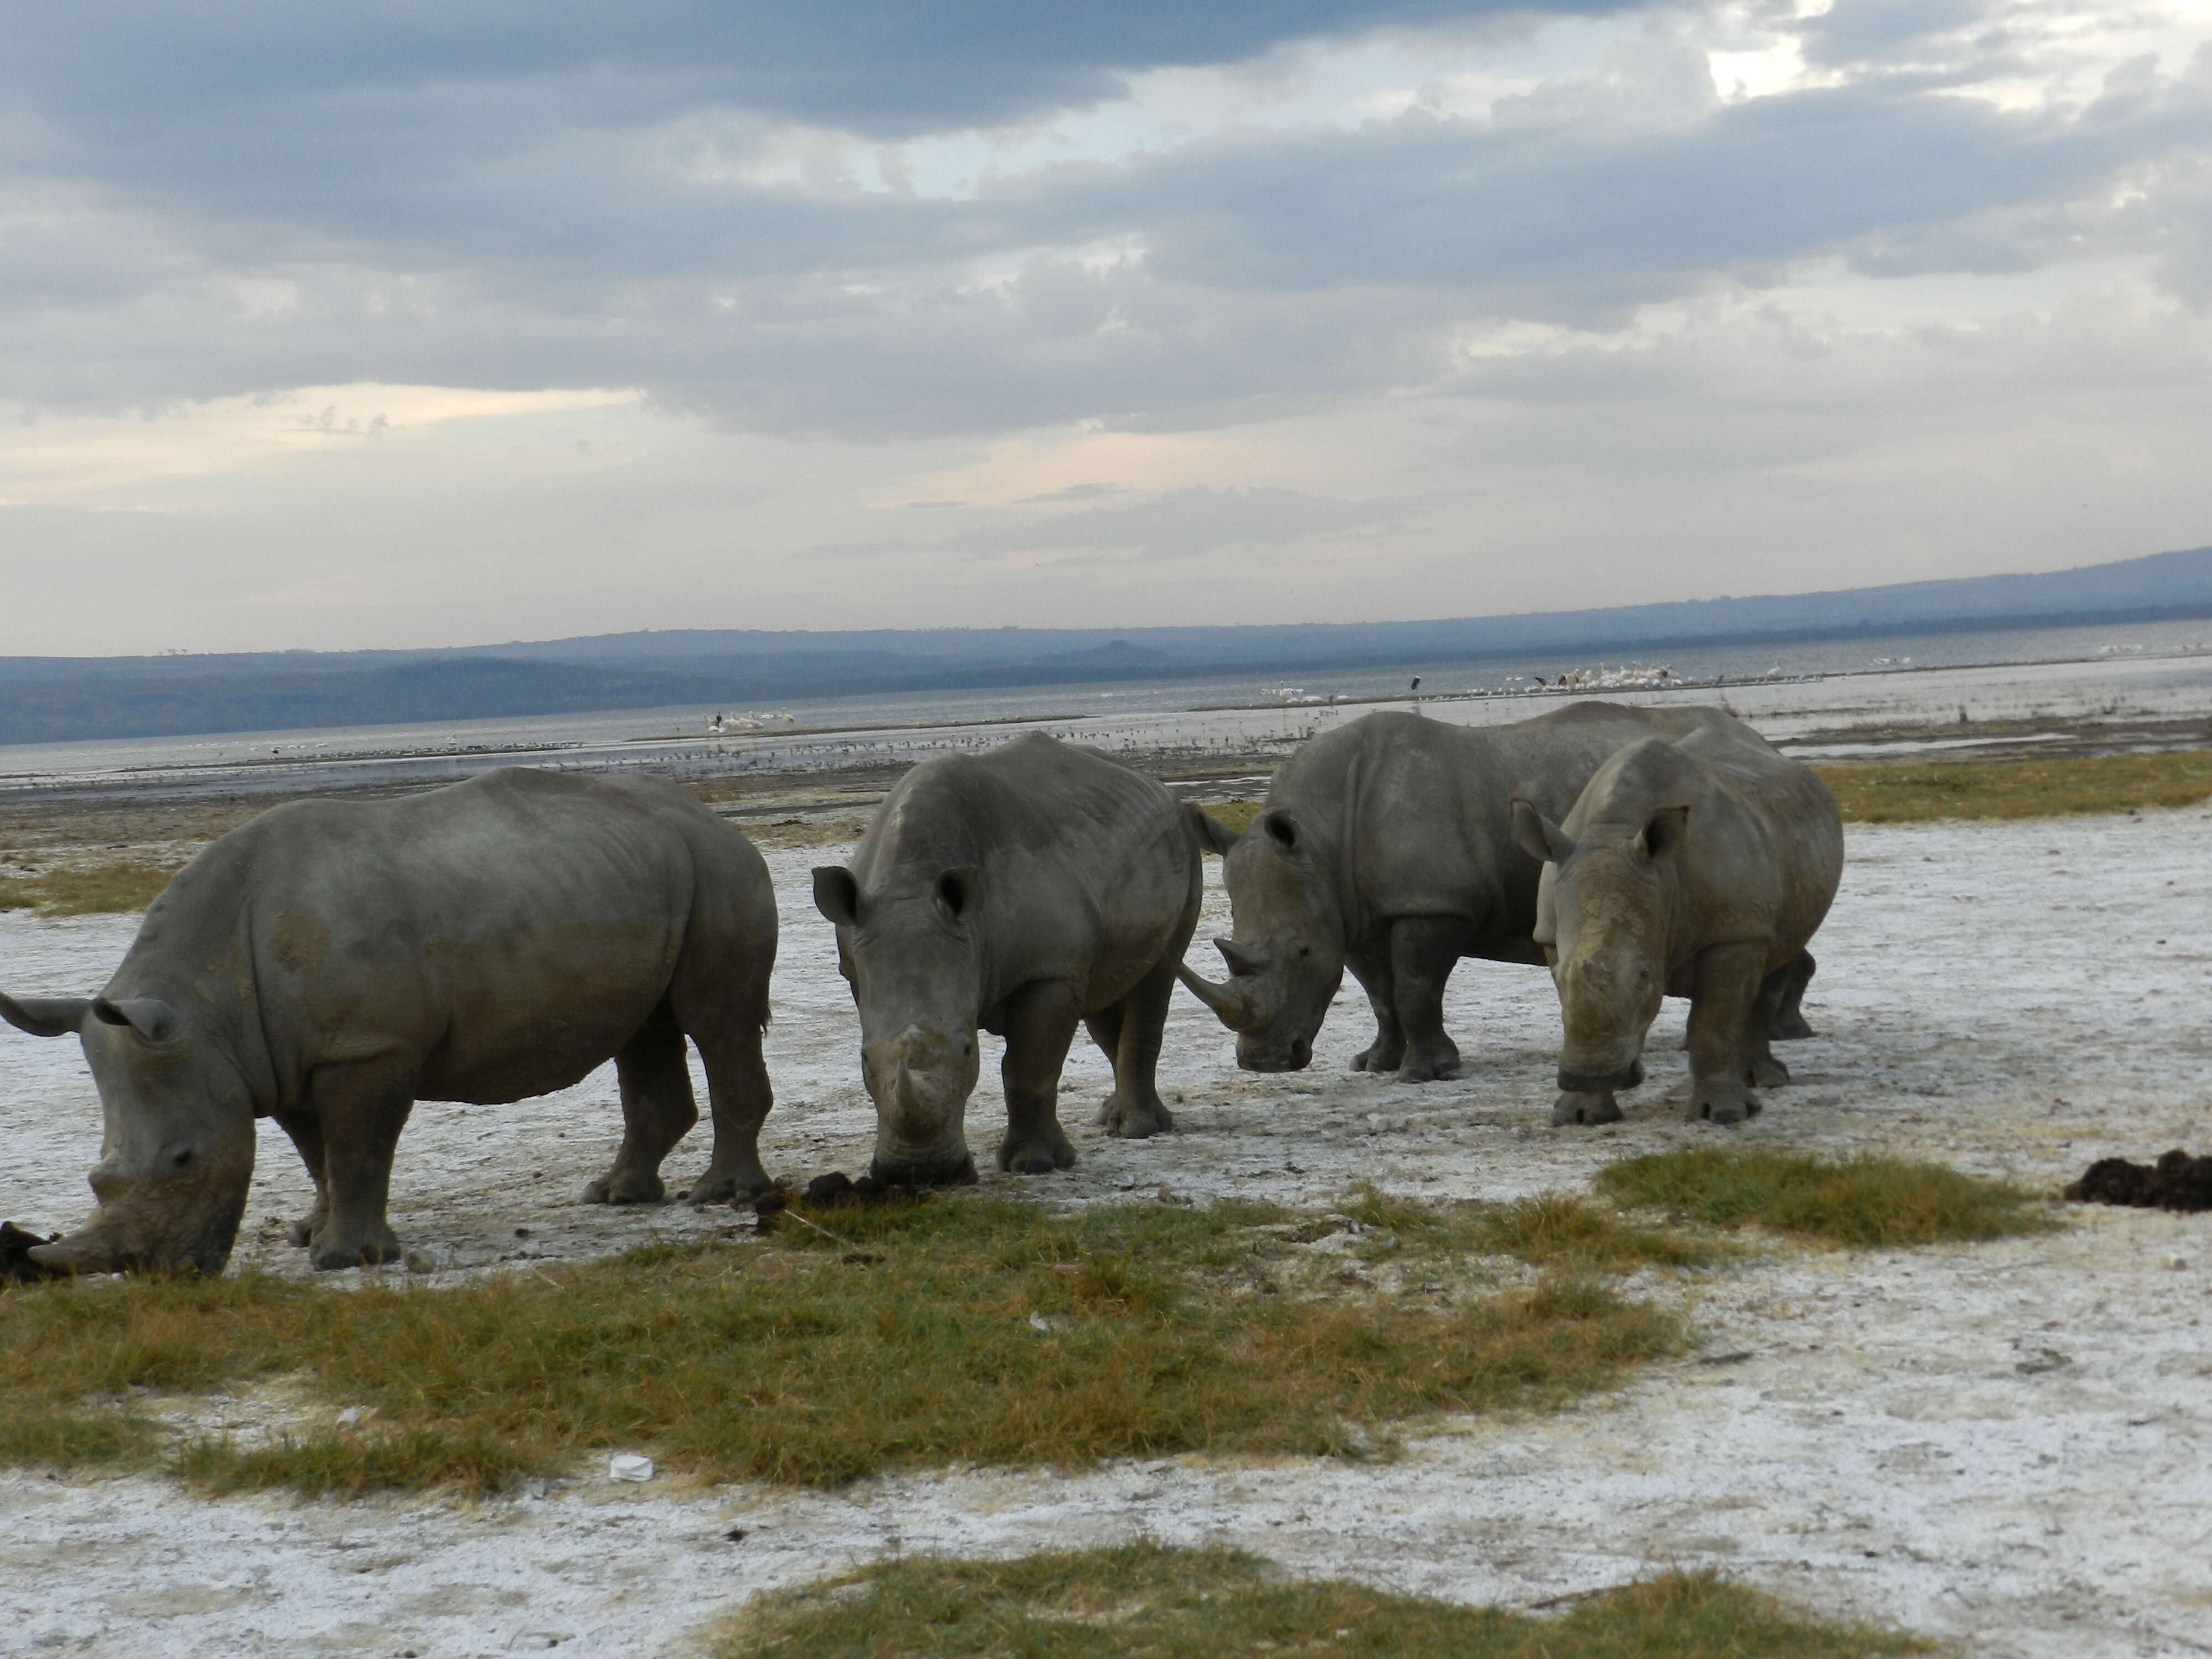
1296, 1057
915, 1172
1590, 1083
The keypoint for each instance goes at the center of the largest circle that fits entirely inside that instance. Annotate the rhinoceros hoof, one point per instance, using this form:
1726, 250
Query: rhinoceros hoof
1378, 1059
1724, 1110
625, 1189
1417, 1070
1134, 1123
711, 1189
334, 1257
301, 1233
1574, 1107
1768, 1073
1037, 1156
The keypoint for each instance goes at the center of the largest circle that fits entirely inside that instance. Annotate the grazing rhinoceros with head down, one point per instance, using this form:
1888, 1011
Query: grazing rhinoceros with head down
1387, 846
1025, 890
1697, 868
331, 962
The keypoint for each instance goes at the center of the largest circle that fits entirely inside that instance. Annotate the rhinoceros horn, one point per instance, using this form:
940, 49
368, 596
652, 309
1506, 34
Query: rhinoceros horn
1236, 1004
911, 1114
86, 1251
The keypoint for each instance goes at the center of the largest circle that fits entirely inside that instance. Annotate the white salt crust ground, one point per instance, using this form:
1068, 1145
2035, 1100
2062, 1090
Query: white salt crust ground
2004, 1445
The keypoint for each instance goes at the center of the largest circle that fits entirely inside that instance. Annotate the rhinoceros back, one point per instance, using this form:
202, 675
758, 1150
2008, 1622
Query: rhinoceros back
510, 931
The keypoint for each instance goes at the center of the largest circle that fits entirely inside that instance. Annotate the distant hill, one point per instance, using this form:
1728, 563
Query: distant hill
44, 699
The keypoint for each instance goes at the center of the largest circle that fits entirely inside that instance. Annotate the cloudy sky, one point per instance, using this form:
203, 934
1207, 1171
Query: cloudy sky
412, 322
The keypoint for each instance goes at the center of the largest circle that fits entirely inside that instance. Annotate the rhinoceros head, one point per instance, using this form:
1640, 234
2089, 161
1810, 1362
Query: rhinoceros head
1601, 918
1286, 958
177, 1155
915, 962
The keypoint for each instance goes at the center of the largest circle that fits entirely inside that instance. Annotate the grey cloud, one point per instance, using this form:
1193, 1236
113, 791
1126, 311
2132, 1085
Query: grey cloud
1182, 524
1281, 271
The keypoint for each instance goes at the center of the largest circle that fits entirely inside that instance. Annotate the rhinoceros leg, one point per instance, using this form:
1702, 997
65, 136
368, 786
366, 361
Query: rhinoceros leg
1722, 1008
1134, 1110
1424, 950
363, 1105
306, 1130
658, 1111
1762, 1068
1387, 1051
739, 1096
1041, 1021
1788, 1025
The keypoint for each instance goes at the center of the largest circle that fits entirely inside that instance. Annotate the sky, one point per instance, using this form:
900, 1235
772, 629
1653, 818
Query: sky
432, 322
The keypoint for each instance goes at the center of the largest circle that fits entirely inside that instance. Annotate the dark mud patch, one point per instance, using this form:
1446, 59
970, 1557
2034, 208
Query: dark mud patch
834, 1191
16, 1266
2176, 1182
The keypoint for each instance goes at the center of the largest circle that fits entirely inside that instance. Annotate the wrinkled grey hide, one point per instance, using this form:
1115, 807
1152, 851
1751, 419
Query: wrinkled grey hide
1697, 868
1025, 890
331, 962
1387, 846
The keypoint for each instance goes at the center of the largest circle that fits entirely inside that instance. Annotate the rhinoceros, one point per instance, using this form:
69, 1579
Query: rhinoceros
331, 962
1025, 890
1694, 868
1386, 847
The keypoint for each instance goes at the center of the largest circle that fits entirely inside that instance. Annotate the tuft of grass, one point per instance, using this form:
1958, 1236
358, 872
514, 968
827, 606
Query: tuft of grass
1234, 815
964, 1329
1864, 1201
1555, 1231
1558, 1229
1918, 791
1221, 1604
93, 889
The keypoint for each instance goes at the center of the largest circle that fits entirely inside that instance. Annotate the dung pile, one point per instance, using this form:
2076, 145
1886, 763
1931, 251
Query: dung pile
16, 1266
2176, 1182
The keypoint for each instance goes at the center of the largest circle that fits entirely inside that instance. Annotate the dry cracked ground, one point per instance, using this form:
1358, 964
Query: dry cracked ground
2008, 1446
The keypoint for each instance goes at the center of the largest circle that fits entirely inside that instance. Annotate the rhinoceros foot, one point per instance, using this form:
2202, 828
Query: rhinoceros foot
1722, 1104
619, 1187
1579, 1106
333, 1249
1429, 1068
1379, 1056
1789, 1028
734, 1186
1134, 1119
1766, 1072
1036, 1153
301, 1233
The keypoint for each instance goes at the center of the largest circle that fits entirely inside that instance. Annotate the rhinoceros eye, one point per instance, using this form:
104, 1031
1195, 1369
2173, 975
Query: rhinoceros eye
1305, 950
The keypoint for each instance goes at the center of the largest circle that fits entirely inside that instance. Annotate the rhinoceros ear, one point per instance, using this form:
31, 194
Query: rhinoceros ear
1283, 830
837, 895
45, 1016
151, 1017
1213, 835
957, 892
1663, 833
1538, 836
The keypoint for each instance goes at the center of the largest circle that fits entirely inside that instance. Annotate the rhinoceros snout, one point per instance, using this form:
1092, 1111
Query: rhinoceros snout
915, 1172
1293, 1056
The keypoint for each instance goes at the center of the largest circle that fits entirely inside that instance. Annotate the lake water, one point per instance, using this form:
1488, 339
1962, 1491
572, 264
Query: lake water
2163, 668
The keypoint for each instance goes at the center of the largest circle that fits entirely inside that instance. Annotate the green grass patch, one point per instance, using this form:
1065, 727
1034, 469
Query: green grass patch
1554, 1230
1222, 1604
1918, 791
962, 1329
94, 890
1865, 1201
1234, 815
